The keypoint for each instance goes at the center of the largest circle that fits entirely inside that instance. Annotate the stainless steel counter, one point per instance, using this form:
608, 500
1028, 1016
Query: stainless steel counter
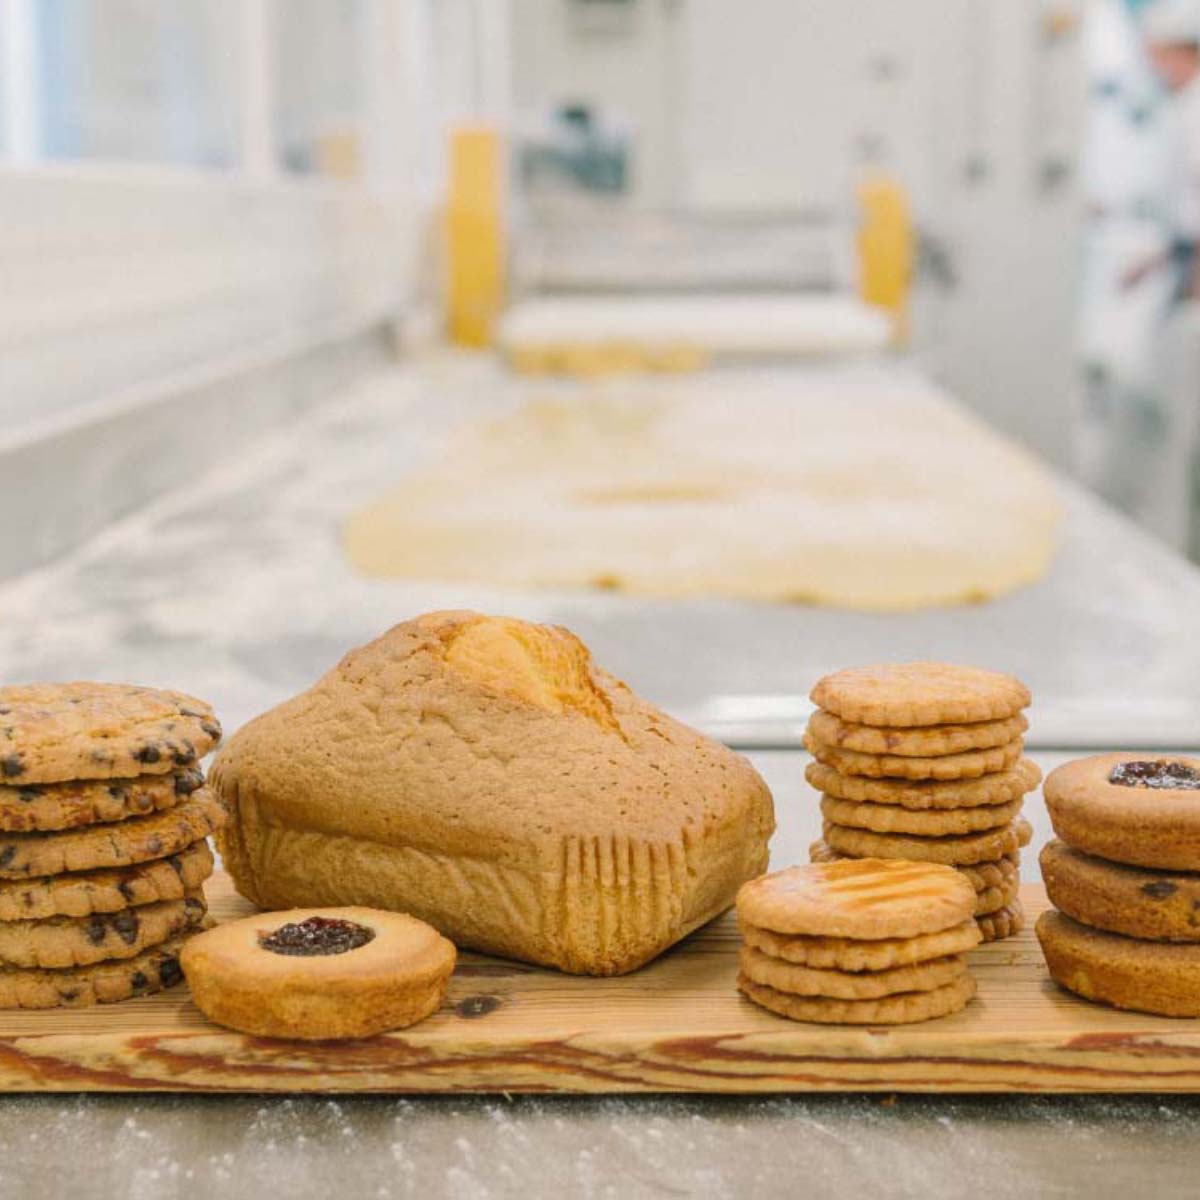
233, 588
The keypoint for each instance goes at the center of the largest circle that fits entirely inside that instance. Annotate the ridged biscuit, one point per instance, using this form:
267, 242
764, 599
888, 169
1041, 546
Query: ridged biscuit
1161, 906
52, 732
117, 845
992, 899
922, 741
799, 980
1141, 826
969, 765
920, 693
920, 794
861, 898
102, 983
889, 818
483, 774
46, 807
86, 892
1153, 977
856, 954
904, 1009
81, 941
958, 850
1003, 923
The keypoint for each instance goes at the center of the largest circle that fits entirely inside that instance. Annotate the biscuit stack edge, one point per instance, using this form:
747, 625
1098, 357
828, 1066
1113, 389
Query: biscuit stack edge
923, 761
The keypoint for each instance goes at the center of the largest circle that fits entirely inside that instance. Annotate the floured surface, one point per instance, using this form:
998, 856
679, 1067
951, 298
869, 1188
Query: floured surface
876, 498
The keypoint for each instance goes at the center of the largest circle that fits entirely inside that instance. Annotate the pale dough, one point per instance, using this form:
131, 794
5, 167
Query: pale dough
862, 497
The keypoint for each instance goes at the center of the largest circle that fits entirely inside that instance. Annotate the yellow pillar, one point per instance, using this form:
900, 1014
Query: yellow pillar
886, 248
475, 236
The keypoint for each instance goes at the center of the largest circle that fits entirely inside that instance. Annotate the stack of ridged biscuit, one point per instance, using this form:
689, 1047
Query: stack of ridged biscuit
922, 761
870, 942
1125, 878
103, 854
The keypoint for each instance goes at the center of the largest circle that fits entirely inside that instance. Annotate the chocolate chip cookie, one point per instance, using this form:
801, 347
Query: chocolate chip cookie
43, 807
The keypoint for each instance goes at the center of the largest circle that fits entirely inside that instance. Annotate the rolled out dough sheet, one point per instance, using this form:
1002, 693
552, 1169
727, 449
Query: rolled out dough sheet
851, 496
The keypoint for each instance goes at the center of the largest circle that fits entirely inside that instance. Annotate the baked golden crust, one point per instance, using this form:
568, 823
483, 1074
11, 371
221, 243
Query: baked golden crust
921, 794
1140, 902
971, 764
922, 741
904, 1009
956, 850
507, 791
1145, 827
890, 818
42, 807
856, 954
1154, 977
1003, 923
798, 980
391, 976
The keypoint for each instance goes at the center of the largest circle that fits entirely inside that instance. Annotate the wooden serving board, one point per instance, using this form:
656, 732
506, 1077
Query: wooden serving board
677, 1025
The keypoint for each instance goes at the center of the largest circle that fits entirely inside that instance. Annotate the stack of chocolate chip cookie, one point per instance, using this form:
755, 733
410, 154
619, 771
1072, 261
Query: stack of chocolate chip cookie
1125, 877
870, 942
922, 761
103, 821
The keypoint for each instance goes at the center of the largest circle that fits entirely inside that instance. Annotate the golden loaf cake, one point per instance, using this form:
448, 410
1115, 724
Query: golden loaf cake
483, 774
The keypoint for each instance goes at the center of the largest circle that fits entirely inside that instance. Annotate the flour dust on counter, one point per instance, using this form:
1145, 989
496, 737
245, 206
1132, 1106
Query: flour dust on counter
241, 1148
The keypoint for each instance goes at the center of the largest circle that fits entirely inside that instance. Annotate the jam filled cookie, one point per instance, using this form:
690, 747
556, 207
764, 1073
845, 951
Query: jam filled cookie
920, 693
319, 973
1141, 809
51, 732
86, 892
1162, 906
920, 741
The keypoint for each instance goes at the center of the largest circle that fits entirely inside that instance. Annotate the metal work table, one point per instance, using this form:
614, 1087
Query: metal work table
233, 588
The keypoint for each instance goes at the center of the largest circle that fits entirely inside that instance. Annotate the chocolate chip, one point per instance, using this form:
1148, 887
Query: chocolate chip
126, 890
187, 782
69, 994
29, 794
127, 925
12, 766
7, 855
190, 712
176, 865
97, 931
147, 754
139, 981
116, 791
211, 728
170, 973
1160, 889
477, 1006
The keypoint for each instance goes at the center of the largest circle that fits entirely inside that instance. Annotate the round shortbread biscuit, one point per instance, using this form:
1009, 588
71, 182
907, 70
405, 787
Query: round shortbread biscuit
1151, 821
1160, 906
903, 1009
888, 818
920, 794
957, 850
101, 846
797, 980
920, 693
102, 983
921, 741
51, 732
319, 973
1003, 923
982, 876
865, 898
87, 892
855, 954
54, 806
969, 765
81, 941
1153, 977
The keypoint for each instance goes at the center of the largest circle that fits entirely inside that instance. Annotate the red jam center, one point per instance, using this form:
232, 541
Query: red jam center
1161, 773
316, 935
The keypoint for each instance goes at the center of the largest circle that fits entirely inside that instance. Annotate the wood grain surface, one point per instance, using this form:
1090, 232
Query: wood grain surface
677, 1025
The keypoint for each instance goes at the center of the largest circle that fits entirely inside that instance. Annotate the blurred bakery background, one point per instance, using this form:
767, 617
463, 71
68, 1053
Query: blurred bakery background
749, 348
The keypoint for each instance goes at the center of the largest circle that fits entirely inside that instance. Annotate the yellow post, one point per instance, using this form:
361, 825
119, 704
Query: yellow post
475, 236
886, 248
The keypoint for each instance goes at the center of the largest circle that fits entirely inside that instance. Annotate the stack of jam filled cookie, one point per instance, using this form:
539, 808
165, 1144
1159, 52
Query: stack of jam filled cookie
1125, 877
870, 942
922, 761
103, 824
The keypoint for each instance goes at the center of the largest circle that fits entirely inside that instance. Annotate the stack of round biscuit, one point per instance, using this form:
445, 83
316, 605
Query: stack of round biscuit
1125, 877
859, 942
922, 761
103, 824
